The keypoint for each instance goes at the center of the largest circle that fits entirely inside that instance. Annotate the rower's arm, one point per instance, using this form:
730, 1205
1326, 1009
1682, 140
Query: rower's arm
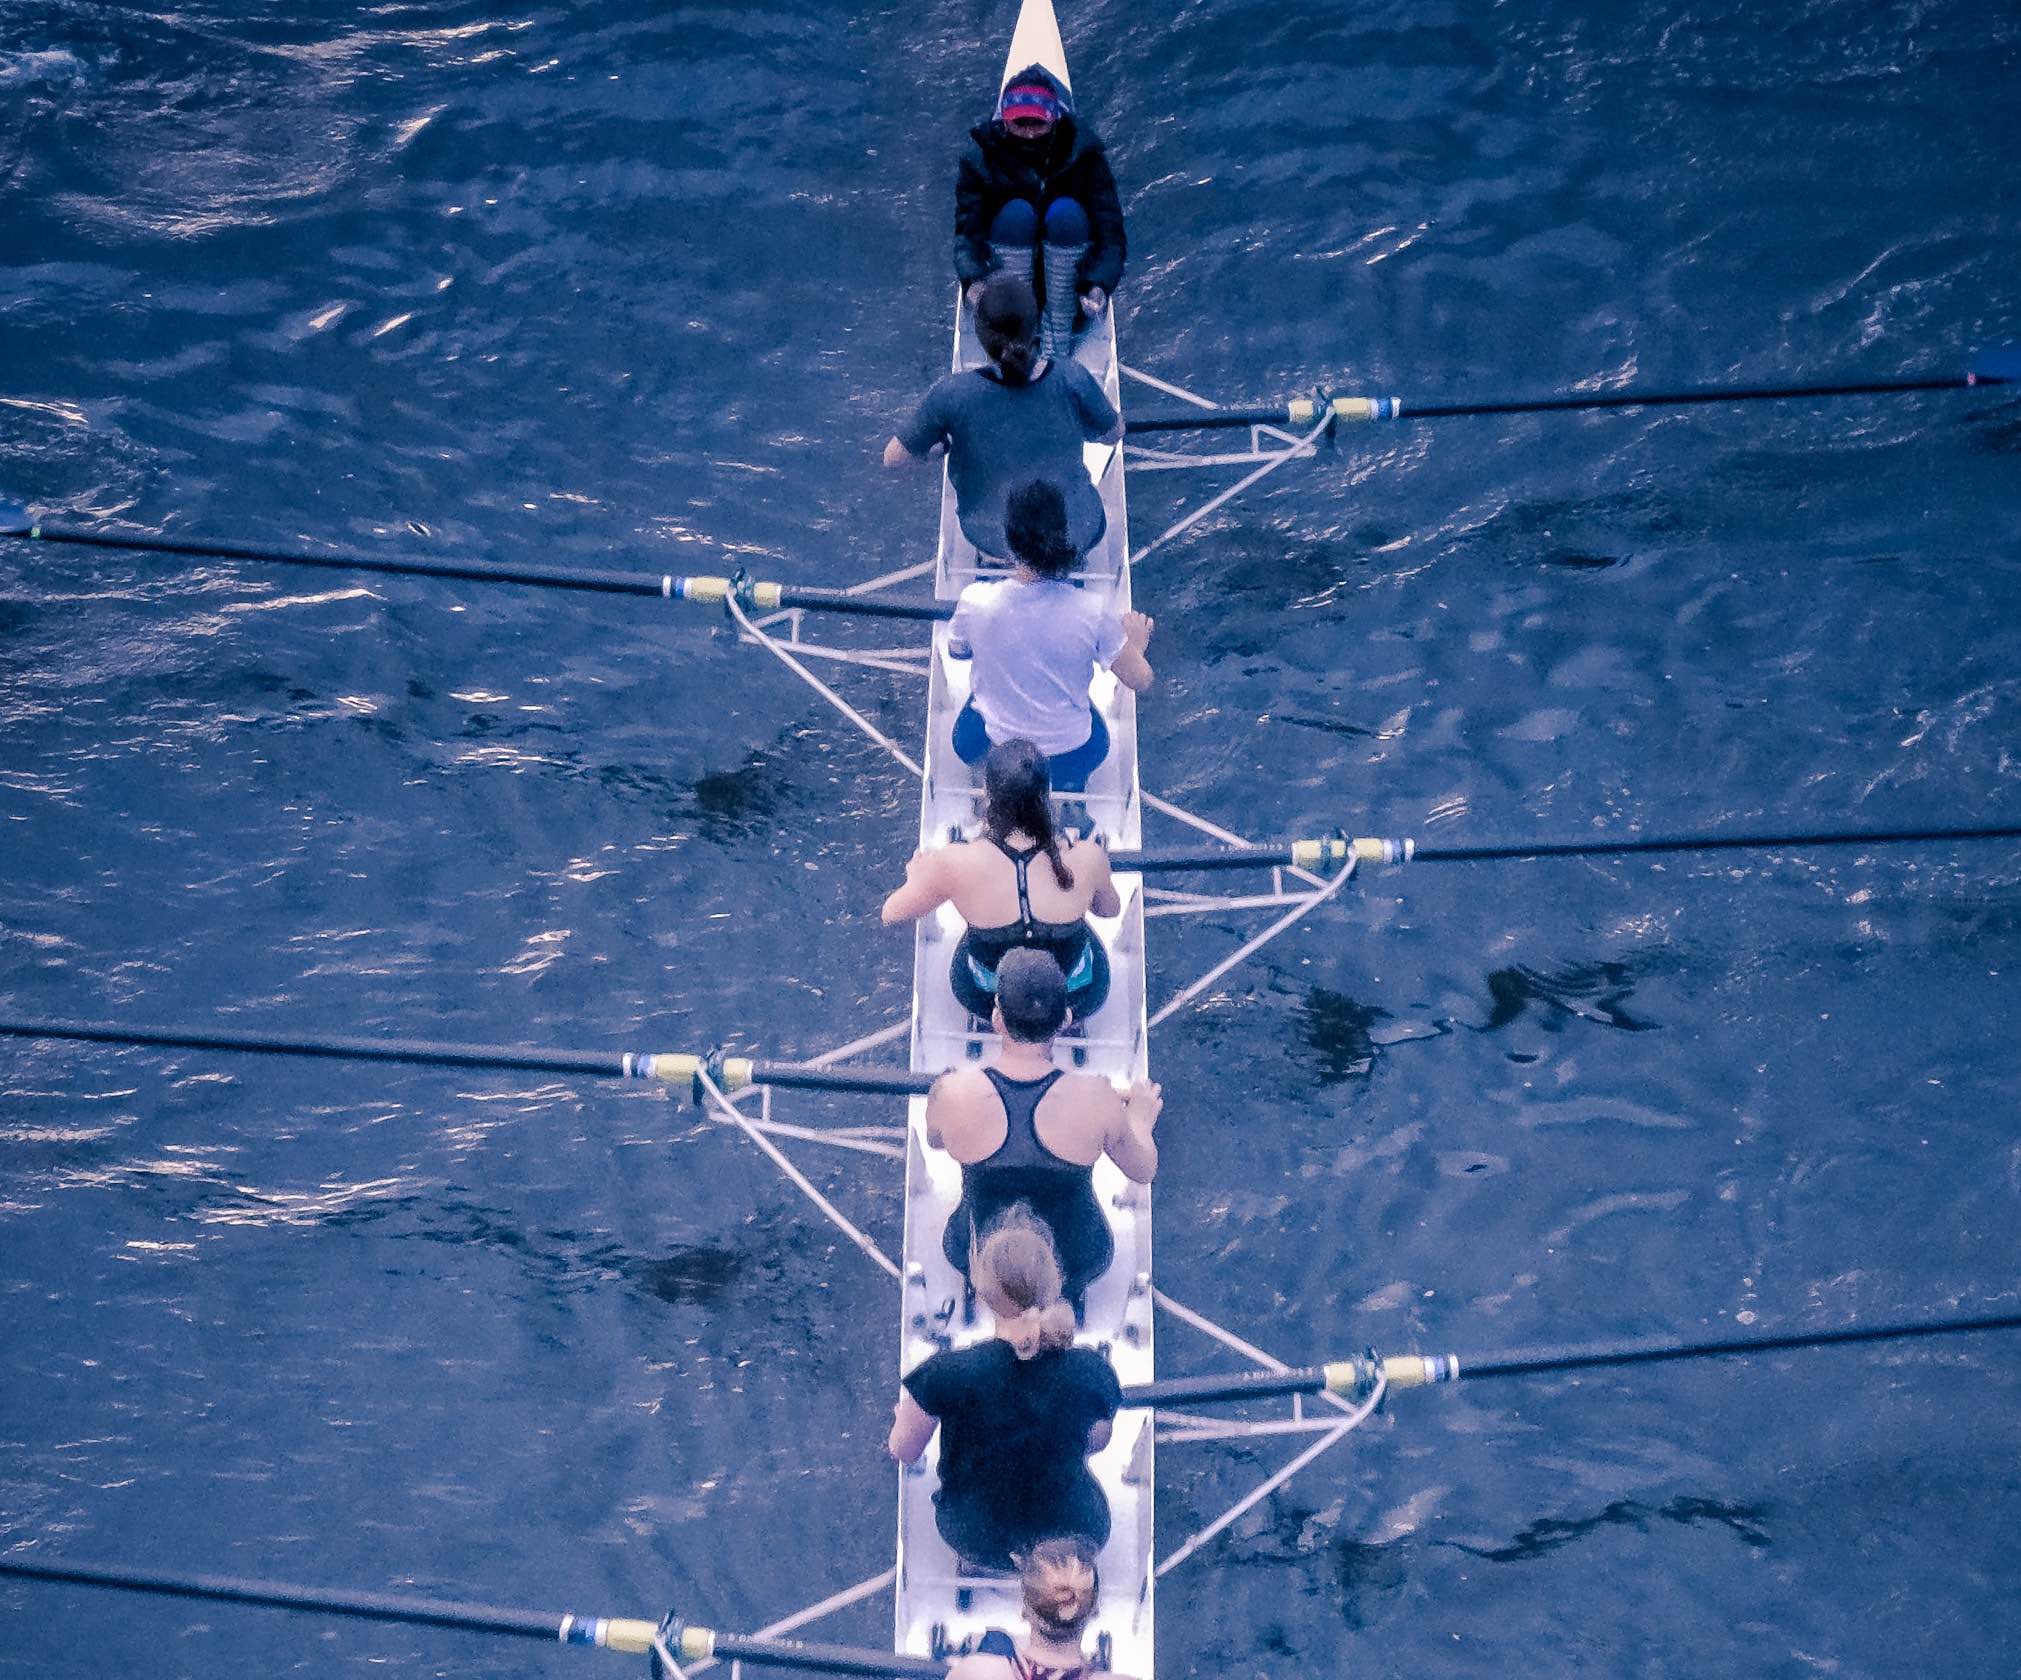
936, 1108
1130, 666
1106, 901
1129, 1143
924, 892
897, 455
912, 1426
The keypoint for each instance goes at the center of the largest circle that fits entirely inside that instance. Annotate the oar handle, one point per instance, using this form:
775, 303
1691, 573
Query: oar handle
758, 595
1300, 854
699, 1644
1340, 1376
1296, 412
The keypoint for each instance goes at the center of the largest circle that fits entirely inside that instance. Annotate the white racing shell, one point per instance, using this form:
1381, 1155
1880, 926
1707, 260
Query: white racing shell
937, 1609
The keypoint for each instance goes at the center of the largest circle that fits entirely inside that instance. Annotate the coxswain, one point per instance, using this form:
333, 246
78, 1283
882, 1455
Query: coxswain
1008, 897
1022, 417
1019, 1412
1036, 641
1028, 1132
1034, 194
1061, 1586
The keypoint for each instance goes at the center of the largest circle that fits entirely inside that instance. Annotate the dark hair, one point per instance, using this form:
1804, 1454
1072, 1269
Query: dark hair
1007, 325
1017, 799
1035, 528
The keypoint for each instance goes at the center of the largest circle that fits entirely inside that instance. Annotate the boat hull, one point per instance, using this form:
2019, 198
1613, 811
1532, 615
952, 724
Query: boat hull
938, 1609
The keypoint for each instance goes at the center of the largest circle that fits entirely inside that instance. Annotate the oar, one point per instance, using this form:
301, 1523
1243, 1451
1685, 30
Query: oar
1314, 854
635, 1634
730, 1073
16, 521
1343, 1376
1988, 367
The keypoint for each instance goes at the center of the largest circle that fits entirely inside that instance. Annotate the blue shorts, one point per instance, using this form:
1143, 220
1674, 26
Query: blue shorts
1069, 770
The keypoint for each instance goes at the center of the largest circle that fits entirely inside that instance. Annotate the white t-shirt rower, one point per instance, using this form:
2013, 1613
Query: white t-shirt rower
1036, 645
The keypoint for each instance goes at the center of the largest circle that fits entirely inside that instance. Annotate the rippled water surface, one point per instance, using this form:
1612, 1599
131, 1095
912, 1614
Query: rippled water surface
647, 286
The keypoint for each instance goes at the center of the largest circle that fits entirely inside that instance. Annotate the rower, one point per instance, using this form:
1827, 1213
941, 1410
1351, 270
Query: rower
1027, 1132
1036, 641
1018, 1412
1061, 1587
1034, 184
1021, 417
1006, 902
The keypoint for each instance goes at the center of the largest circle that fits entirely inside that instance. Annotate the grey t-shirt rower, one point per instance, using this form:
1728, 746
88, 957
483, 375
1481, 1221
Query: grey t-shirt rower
999, 436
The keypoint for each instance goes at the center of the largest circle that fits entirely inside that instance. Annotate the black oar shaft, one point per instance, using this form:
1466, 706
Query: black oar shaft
731, 1072
1531, 1362
609, 1633
1305, 411
1320, 853
1689, 397
1434, 852
1415, 1370
411, 1051
478, 571
662, 585
373, 1607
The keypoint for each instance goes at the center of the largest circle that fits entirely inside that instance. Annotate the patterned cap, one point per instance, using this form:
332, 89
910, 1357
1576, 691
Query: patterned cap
1030, 102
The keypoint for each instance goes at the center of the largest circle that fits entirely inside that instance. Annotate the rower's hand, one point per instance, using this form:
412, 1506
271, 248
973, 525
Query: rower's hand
1093, 301
1137, 629
1142, 1104
973, 295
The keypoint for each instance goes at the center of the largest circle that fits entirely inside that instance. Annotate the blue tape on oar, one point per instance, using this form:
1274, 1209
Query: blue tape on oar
14, 520
1998, 367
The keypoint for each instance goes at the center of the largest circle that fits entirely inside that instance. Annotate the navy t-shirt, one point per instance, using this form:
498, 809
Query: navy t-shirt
999, 436
1014, 1440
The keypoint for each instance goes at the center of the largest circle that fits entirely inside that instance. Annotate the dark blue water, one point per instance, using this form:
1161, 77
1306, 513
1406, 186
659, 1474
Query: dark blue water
648, 285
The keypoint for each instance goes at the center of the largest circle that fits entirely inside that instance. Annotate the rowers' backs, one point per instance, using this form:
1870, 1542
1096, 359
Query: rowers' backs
1023, 882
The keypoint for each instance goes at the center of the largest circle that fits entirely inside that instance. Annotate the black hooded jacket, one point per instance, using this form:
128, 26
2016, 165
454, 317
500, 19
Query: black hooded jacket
1068, 163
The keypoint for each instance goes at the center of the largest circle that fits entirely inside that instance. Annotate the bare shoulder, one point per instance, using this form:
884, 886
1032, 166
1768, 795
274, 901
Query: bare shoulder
1092, 1094
1082, 850
962, 1085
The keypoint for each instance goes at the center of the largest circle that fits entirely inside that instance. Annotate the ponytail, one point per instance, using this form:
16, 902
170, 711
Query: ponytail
1017, 1262
1007, 326
1017, 791
1038, 1330
1061, 1586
